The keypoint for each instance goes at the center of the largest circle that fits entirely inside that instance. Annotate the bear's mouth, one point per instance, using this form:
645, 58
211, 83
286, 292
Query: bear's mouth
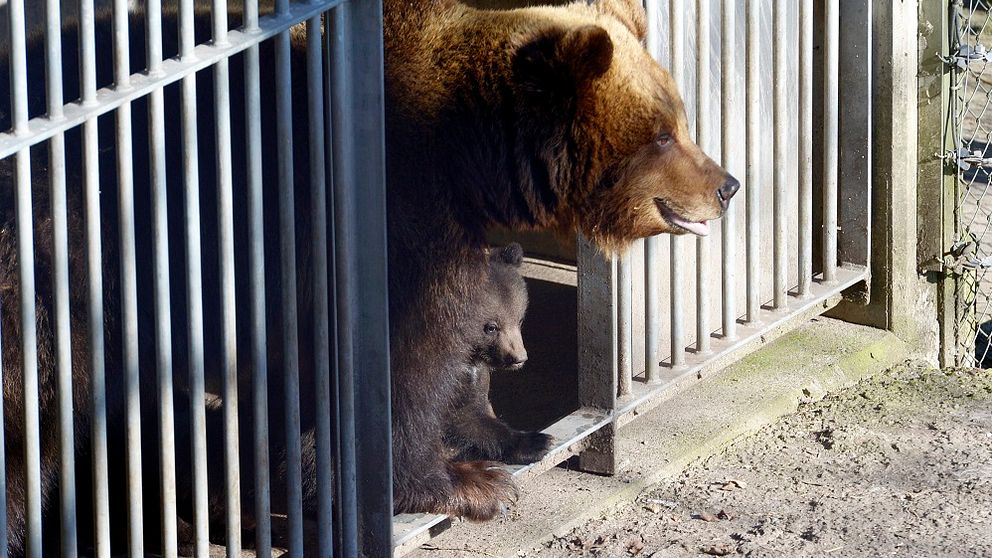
700, 228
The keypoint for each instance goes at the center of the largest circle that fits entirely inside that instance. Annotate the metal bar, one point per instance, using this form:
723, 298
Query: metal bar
163, 312
830, 145
677, 257
60, 284
625, 308
652, 245
170, 71
129, 288
652, 310
805, 147
321, 331
343, 169
91, 181
225, 223
781, 117
194, 289
256, 264
290, 334
751, 186
729, 150
25, 251
703, 139
32, 431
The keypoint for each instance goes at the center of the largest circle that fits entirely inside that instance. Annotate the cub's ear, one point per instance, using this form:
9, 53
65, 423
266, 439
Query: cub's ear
563, 61
628, 12
512, 254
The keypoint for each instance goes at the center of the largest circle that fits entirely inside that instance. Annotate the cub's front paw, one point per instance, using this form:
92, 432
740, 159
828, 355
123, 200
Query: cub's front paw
482, 490
528, 447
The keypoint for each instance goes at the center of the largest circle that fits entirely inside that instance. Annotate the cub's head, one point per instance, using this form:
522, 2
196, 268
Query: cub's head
497, 340
612, 153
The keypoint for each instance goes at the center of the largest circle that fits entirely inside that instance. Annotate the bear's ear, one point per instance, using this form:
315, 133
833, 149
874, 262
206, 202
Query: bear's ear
628, 12
564, 61
512, 254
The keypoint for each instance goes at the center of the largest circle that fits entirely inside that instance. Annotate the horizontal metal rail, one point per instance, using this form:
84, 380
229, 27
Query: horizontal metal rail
169, 71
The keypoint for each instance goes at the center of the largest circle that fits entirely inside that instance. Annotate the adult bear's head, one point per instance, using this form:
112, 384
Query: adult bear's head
611, 153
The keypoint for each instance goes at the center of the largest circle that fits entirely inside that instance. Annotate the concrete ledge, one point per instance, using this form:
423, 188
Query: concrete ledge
820, 356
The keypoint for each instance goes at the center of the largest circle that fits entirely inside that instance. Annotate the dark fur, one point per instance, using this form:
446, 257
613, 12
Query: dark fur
473, 430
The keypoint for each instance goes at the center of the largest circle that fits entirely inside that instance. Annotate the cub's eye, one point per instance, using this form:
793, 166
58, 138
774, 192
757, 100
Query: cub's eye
490, 328
664, 139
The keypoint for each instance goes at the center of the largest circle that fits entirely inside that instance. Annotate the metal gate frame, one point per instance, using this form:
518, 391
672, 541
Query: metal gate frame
356, 320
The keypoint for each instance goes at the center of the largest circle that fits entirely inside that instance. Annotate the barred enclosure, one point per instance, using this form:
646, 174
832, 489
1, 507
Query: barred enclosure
145, 154
970, 128
764, 83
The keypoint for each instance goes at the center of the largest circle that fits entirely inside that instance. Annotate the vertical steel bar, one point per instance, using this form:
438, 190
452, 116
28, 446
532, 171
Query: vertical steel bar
322, 355
129, 284
163, 313
25, 251
729, 150
91, 180
703, 139
652, 310
831, 111
677, 257
625, 307
652, 245
32, 431
343, 168
290, 334
371, 334
60, 286
194, 288
805, 146
751, 186
225, 223
256, 259
780, 53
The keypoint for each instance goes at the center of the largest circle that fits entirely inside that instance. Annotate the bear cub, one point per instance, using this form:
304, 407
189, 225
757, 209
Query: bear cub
473, 431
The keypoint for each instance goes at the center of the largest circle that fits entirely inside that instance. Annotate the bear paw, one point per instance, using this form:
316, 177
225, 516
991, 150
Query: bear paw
482, 490
528, 447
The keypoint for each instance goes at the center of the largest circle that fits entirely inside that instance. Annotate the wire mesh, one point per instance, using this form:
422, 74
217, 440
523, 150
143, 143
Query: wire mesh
971, 129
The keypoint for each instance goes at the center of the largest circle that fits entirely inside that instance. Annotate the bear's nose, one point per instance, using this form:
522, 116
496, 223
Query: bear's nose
727, 191
516, 360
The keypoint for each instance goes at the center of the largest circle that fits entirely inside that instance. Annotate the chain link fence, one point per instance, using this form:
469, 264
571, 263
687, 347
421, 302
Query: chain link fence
971, 129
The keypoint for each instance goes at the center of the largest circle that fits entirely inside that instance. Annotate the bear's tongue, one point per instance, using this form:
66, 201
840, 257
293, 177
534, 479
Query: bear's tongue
701, 228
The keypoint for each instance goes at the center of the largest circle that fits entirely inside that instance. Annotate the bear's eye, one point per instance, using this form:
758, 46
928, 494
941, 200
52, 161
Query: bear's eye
664, 139
490, 328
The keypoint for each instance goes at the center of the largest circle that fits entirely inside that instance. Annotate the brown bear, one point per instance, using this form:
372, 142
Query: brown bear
547, 117
472, 429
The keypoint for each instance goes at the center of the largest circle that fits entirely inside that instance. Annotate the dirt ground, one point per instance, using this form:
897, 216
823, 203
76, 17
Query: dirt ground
897, 465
